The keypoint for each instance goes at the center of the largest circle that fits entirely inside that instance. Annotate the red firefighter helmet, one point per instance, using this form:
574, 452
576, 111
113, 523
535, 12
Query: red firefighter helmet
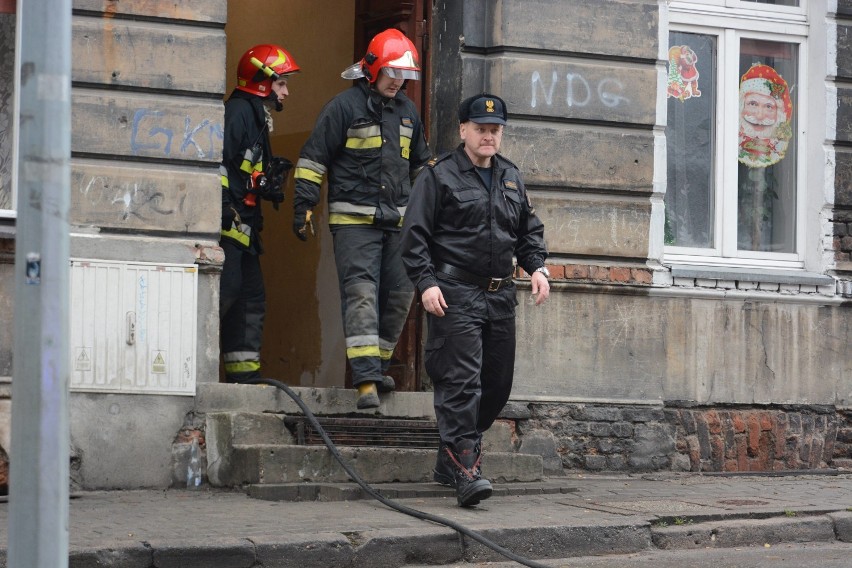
391, 52
261, 65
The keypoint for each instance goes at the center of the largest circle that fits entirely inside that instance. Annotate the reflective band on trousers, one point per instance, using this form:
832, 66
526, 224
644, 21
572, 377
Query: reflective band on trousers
386, 348
242, 367
232, 356
363, 351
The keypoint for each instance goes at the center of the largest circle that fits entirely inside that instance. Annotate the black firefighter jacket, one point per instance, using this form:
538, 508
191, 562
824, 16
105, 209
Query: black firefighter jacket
245, 130
454, 219
371, 148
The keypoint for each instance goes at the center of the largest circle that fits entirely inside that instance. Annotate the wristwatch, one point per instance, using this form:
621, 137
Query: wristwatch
543, 270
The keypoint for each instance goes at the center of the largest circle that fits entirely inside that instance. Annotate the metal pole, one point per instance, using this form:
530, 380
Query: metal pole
39, 468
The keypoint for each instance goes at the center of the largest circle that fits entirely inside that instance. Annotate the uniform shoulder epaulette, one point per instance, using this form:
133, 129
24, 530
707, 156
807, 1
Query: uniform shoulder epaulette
431, 163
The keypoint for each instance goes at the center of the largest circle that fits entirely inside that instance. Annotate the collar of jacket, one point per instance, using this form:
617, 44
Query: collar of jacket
375, 100
464, 163
256, 103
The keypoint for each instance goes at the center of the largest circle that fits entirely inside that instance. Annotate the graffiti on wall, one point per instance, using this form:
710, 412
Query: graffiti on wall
577, 90
140, 200
152, 134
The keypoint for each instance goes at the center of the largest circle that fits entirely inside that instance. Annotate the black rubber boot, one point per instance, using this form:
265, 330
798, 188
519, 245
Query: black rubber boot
387, 384
471, 488
443, 472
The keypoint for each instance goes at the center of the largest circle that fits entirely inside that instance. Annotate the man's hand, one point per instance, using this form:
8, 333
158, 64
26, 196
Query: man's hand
229, 214
302, 223
540, 288
433, 301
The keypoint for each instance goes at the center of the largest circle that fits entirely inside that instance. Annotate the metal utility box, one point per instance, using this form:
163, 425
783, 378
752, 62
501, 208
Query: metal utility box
133, 327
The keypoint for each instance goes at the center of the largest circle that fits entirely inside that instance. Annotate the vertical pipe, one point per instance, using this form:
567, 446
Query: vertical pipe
39, 461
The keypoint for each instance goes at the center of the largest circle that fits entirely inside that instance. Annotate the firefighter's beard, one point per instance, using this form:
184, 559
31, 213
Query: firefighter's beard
271, 100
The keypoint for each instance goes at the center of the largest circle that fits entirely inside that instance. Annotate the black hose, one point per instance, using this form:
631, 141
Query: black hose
384, 500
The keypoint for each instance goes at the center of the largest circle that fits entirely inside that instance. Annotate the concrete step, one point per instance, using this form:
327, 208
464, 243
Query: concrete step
245, 448
223, 397
269, 463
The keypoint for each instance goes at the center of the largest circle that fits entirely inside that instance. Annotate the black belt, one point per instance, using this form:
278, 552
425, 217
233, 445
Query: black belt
484, 282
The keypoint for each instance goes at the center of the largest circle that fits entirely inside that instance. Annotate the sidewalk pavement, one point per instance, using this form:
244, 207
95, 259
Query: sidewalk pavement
576, 515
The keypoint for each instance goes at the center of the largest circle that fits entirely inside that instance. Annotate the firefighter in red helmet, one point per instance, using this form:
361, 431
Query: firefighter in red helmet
250, 174
370, 144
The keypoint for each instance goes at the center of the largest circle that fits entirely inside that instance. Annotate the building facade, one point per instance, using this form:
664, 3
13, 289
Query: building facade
691, 162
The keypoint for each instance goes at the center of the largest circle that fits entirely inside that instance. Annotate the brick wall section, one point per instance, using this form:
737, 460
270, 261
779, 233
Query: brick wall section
721, 439
590, 273
755, 439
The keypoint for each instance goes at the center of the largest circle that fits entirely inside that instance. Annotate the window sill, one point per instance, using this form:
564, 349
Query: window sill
755, 275
736, 280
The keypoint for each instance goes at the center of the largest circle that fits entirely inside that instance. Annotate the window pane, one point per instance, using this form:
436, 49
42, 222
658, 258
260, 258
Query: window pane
7, 74
690, 139
766, 216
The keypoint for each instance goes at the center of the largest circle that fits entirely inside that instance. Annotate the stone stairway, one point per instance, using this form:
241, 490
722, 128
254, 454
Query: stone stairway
257, 438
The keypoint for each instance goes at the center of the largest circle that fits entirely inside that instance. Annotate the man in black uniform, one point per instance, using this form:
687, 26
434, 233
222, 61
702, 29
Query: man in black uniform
249, 174
370, 141
468, 215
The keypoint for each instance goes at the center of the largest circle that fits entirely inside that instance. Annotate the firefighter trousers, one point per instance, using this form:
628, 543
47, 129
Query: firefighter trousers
375, 297
242, 307
470, 357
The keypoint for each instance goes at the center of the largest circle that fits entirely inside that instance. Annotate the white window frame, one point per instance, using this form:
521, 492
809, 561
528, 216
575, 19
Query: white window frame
730, 21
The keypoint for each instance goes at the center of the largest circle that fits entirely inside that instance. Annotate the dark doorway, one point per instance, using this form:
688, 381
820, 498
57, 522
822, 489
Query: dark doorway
303, 341
413, 19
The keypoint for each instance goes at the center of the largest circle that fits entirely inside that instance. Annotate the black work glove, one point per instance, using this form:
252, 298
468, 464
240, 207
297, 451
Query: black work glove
228, 216
276, 197
277, 173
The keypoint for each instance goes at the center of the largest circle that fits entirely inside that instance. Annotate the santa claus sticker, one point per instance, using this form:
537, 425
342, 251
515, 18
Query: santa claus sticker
765, 114
683, 73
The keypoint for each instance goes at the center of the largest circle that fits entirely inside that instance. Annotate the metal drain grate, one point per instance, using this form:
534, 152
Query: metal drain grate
377, 432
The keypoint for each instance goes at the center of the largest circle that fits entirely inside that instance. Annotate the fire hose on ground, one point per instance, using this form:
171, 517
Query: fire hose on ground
461, 529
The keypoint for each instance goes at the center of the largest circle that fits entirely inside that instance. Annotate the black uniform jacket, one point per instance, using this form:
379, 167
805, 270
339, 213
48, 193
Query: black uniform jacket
371, 147
245, 126
453, 218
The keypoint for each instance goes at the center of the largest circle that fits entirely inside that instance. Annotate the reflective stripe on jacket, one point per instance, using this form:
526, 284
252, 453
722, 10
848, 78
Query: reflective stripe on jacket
370, 148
